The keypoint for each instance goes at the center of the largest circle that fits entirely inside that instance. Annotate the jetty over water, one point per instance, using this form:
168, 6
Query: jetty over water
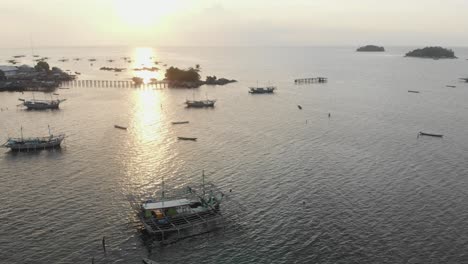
113, 84
311, 80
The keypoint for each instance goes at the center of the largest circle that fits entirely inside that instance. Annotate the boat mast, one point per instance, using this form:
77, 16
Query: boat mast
48, 126
22, 133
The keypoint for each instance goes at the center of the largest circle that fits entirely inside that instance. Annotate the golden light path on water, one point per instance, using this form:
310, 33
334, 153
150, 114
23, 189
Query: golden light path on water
145, 57
146, 152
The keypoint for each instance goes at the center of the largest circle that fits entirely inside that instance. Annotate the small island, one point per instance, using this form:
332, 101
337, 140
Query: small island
38, 78
432, 53
191, 78
371, 48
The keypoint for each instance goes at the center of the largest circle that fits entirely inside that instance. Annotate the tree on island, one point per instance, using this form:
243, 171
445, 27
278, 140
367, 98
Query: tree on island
178, 75
432, 52
372, 48
2, 76
42, 66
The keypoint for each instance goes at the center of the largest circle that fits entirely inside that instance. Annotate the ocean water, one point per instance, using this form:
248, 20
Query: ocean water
358, 187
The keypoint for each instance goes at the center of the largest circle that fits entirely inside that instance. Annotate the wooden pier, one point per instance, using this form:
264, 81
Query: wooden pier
311, 80
113, 84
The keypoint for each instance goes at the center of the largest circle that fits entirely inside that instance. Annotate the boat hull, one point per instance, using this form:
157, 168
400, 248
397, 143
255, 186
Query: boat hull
41, 106
34, 147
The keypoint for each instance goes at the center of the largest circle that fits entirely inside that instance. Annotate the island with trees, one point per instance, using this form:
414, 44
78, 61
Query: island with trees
190, 78
432, 53
371, 48
38, 78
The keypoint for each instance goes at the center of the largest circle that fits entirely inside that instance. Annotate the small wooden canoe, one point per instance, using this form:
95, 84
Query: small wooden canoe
187, 138
430, 134
451, 86
148, 261
411, 91
120, 127
180, 122
300, 107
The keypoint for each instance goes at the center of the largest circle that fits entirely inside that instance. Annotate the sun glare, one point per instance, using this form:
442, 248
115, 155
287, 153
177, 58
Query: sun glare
145, 58
144, 13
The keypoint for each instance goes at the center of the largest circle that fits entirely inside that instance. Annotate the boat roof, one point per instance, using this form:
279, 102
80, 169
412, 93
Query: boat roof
167, 204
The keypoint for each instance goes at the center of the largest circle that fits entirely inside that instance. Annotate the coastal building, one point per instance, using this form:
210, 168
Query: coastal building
9, 70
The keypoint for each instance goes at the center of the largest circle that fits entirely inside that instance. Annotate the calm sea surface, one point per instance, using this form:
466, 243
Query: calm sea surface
358, 187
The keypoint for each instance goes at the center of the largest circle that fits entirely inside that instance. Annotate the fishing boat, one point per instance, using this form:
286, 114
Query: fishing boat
187, 138
412, 91
34, 143
299, 106
430, 134
200, 103
262, 90
34, 104
185, 212
120, 127
451, 86
180, 122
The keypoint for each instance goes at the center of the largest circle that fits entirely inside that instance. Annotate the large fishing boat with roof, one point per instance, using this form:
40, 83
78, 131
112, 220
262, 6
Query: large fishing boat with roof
34, 143
34, 104
187, 212
262, 90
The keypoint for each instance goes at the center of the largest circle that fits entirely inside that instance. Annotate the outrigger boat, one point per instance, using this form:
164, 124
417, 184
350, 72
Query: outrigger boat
201, 103
34, 143
193, 211
262, 90
34, 104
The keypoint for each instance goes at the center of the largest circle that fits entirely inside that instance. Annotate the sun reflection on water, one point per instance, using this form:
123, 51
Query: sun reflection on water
145, 57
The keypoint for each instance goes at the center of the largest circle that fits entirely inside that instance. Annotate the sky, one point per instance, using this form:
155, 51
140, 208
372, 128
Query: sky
49, 23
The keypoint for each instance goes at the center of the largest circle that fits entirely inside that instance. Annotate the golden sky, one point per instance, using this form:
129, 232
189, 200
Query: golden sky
233, 22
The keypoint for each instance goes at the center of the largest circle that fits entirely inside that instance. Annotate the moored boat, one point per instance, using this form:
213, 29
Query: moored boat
120, 127
34, 104
262, 90
200, 103
187, 138
180, 122
34, 143
194, 210
412, 91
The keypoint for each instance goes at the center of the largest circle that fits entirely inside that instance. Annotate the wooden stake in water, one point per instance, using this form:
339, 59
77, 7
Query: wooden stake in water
104, 244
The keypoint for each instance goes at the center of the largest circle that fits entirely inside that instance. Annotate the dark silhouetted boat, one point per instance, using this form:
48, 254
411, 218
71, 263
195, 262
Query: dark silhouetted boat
180, 122
300, 107
120, 127
430, 134
412, 91
200, 103
34, 104
187, 138
262, 90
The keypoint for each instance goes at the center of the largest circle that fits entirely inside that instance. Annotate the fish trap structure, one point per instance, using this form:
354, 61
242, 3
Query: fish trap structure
183, 213
311, 80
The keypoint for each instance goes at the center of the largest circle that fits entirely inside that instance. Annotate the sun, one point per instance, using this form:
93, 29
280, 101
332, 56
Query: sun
144, 13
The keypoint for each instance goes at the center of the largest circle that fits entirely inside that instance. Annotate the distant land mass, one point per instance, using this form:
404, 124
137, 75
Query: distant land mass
432, 53
371, 48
